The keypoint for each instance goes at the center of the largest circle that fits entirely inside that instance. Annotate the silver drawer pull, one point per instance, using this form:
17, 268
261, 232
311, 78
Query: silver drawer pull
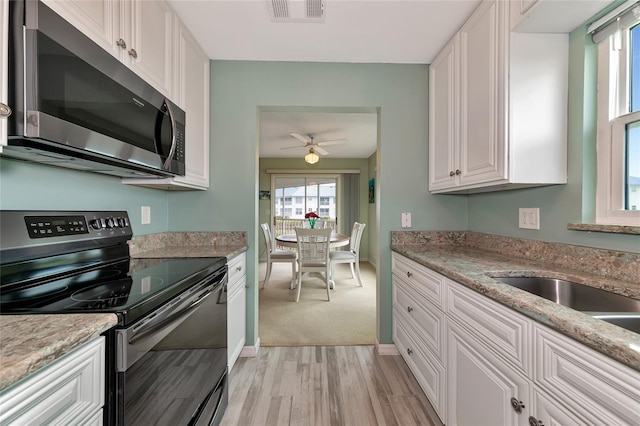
409, 274
133, 54
5, 111
409, 309
517, 405
409, 351
120, 42
535, 422
239, 268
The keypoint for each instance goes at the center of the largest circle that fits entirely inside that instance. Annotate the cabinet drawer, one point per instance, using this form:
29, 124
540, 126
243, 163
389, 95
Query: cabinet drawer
429, 373
425, 282
503, 330
237, 267
68, 391
422, 315
596, 386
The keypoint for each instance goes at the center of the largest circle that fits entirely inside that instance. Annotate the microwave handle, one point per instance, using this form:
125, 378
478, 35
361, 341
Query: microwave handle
172, 151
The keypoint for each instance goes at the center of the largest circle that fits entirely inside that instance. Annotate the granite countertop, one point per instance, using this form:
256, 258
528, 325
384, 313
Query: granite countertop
189, 244
473, 267
30, 342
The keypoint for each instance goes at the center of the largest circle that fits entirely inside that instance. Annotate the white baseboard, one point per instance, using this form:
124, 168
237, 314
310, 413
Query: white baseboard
385, 349
250, 351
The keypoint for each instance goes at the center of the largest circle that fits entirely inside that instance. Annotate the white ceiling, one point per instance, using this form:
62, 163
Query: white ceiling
358, 31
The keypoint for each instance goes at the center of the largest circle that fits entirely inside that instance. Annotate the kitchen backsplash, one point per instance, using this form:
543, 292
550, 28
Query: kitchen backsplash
607, 263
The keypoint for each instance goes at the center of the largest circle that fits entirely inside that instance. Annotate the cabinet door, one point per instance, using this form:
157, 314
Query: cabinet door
236, 308
193, 89
483, 94
481, 385
97, 19
4, 28
150, 51
443, 117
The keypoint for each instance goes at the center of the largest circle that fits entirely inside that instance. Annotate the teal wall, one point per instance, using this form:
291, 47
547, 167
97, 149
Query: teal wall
240, 89
25, 186
497, 213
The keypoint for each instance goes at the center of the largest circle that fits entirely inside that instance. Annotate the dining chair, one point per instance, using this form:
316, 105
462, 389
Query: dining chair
313, 254
277, 255
351, 256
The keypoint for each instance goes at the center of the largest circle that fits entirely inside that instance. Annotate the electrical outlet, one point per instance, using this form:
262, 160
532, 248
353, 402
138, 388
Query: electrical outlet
406, 220
145, 213
529, 218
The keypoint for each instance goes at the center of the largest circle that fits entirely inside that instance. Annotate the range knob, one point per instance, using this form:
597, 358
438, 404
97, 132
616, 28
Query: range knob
109, 223
96, 224
122, 222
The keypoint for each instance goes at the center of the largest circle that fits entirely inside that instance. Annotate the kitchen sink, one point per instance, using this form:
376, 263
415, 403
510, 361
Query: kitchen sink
628, 321
611, 307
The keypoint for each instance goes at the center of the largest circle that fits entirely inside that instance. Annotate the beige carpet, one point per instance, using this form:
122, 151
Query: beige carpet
348, 319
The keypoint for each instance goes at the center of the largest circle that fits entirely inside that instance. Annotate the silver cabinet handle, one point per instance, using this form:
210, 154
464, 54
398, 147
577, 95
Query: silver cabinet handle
535, 422
133, 53
239, 268
409, 309
458, 172
517, 405
409, 274
5, 111
409, 351
120, 42
452, 173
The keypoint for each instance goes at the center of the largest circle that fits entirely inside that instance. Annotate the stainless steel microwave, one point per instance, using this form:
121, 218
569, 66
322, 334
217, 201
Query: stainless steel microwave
76, 106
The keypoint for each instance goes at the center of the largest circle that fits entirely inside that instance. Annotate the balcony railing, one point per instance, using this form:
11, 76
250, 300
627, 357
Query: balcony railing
288, 226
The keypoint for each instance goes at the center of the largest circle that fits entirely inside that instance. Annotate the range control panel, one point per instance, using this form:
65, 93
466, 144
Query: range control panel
55, 226
74, 224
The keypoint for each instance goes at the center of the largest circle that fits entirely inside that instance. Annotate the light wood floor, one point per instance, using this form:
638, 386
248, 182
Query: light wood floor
325, 385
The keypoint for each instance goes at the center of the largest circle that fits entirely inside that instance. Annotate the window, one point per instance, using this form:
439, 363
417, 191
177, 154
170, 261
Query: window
618, 120
287, 201
298, 211
324, 201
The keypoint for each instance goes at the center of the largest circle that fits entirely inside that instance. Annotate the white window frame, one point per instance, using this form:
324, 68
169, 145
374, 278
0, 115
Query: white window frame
613, 116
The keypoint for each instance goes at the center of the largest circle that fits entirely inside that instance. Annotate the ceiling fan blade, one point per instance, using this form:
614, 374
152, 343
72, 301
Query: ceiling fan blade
297, 146
300, 137
330, 142
320, 150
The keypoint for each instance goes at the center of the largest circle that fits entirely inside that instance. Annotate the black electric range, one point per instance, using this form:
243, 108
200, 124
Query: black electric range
171, 311
74, 262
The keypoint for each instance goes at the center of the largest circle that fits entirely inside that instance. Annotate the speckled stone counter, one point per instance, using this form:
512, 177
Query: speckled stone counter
29, 342
189, 244
472, 259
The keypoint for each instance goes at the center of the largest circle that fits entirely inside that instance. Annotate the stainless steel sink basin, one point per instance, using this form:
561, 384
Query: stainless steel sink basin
628, 321
611, 307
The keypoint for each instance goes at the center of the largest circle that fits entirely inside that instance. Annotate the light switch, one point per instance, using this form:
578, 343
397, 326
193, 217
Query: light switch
406, 220
145, 214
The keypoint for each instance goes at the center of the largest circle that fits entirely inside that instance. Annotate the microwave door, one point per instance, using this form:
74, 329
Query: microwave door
165, 134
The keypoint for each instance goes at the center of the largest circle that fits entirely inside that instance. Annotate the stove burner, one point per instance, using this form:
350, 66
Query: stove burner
118, 291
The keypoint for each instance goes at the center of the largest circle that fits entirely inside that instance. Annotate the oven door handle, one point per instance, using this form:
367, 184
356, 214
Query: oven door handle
153, 327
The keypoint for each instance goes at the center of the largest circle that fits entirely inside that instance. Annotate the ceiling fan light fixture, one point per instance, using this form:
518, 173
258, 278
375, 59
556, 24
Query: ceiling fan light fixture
311, 157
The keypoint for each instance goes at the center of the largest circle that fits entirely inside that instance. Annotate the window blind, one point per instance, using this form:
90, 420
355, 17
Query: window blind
624, 16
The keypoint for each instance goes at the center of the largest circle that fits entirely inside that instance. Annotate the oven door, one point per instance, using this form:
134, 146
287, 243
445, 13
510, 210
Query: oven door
172, 364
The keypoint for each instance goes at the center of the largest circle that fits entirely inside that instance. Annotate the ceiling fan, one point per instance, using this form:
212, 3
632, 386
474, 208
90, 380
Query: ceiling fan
309, 141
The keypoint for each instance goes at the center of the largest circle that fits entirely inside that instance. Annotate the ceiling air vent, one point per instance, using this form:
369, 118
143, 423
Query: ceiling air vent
296, 10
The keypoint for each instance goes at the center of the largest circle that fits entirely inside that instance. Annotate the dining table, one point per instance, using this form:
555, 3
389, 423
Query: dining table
290, 240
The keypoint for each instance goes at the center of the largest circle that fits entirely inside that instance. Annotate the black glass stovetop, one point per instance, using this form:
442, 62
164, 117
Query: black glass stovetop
129, 288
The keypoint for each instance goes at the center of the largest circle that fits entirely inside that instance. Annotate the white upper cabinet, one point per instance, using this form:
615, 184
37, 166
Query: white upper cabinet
137, 32
498, 107
4, 65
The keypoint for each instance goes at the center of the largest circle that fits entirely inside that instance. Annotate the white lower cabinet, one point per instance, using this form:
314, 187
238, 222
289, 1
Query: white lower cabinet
498, 367
69, 391
236, 307
483, 390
